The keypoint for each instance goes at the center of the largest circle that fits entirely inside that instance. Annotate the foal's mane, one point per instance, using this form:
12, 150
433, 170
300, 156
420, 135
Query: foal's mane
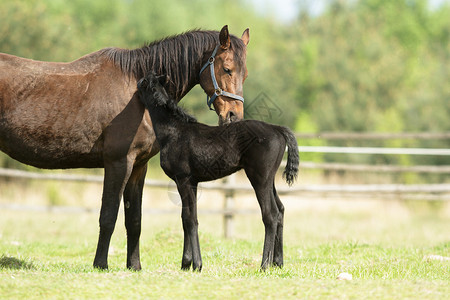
172, 108
177, 56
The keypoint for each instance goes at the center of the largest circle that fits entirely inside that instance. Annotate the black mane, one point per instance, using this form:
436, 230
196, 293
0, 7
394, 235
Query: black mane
152, 94
177, 56
172, 108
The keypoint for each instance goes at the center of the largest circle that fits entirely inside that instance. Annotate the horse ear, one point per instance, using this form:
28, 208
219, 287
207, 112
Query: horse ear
163, 80
142, 83
246, 36
224, 38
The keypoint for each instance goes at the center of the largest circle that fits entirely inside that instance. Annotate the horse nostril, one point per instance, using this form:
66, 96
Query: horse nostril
231, 116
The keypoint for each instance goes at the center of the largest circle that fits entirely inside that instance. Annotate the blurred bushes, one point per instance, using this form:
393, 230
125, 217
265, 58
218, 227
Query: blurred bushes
373, 65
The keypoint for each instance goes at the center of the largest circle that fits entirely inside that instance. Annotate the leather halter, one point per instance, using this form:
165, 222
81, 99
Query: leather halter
217, 90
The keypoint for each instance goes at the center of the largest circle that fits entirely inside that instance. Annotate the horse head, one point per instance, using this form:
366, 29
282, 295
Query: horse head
223, 74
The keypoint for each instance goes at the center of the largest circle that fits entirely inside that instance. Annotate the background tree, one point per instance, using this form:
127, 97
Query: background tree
365, 66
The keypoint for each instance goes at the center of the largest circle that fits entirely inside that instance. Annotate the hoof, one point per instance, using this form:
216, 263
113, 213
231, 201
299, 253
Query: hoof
185, 268
197, 269
186, 265
134, 268
278, 264
101, 267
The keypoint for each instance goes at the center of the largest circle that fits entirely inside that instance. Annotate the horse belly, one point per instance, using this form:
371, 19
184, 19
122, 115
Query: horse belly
215, 163
50, 150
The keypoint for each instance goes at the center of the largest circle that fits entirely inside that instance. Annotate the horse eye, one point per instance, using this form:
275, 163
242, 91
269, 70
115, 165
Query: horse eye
228, 71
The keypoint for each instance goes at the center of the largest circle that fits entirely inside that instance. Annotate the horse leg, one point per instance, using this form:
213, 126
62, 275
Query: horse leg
269, 212
132, 198
186, 260
278, 249
191, 248
116, 175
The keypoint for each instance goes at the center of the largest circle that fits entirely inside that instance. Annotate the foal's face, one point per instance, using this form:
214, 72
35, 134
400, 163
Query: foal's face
157, 86
154, 86
230, 71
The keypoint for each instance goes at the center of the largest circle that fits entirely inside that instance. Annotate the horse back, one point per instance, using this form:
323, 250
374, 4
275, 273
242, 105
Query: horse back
43, 83
55, 113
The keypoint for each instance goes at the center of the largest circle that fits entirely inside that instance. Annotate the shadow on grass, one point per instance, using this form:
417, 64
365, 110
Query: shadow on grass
7, 262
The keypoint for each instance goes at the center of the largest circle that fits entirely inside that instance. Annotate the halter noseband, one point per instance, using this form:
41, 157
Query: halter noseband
217, 90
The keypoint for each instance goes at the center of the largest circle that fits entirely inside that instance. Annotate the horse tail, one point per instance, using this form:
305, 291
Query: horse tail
293, 159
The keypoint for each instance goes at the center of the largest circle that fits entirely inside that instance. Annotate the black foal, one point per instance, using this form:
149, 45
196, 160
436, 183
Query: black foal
192, 152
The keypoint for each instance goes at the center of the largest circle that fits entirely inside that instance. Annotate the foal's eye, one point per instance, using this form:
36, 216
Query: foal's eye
228, 71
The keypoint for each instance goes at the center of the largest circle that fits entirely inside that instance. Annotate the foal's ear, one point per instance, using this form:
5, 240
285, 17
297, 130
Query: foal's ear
224, 38
246, 36
142, 83
163, 80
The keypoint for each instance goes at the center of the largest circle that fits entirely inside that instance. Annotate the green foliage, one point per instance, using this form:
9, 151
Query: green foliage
376, 66
356, 66
306, 124
27, 30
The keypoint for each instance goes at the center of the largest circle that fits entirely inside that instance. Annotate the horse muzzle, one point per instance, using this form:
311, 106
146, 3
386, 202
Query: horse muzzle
229, 117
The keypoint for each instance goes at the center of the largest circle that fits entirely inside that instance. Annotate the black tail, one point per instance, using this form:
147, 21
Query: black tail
291, 171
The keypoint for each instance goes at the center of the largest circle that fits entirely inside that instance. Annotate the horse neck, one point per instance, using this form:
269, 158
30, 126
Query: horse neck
180, 57
184, 74
163, 123
190, 82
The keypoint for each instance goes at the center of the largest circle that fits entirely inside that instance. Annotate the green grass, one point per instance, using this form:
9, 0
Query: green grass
48, 255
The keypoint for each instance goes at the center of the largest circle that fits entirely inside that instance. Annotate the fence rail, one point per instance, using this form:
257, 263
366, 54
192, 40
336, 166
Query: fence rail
422, 192
375, 168
230, 188
233, 187
374, 150
375, 136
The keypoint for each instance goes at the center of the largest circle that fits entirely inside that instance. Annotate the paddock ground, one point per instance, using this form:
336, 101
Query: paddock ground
393, 249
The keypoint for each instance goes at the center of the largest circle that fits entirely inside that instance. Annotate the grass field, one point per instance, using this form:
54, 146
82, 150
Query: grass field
387, 248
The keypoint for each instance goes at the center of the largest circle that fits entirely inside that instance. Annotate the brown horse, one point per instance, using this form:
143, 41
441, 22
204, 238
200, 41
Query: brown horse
81, 114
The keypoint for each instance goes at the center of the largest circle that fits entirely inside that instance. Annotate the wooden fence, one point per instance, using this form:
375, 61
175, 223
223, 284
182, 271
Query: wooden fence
229, 188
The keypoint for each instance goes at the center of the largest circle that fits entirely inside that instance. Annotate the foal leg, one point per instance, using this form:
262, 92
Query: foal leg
191, 248
116, 175
132, 198
186, 260
278, 249
269, 211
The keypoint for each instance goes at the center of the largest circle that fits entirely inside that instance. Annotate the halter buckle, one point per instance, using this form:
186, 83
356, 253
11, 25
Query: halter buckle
218, 91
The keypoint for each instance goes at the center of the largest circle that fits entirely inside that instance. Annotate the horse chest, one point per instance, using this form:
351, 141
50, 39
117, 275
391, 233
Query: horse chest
172, 161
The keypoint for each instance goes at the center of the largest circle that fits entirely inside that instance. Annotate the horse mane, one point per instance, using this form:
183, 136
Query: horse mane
176, 111
169, 105
177, 56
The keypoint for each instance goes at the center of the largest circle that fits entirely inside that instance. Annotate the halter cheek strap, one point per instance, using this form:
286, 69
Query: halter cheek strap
217, 90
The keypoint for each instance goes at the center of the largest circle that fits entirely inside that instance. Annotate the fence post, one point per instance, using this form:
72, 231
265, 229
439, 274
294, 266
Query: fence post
228, 207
